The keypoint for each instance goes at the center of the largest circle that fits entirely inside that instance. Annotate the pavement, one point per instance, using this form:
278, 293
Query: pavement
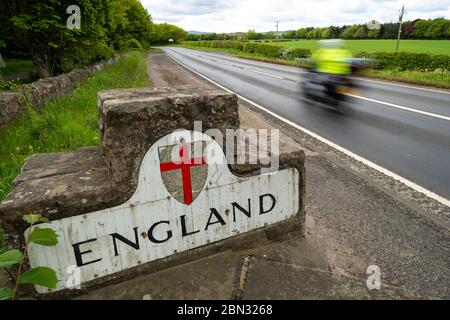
355, 218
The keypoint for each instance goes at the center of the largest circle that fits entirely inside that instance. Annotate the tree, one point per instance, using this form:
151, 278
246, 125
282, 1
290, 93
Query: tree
360, 33
302, 33
349, 32
289, 35
325, 33
373, 34
163, 32
252, 35
437, 29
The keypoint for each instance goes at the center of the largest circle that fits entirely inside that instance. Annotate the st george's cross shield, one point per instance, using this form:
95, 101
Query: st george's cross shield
184, 170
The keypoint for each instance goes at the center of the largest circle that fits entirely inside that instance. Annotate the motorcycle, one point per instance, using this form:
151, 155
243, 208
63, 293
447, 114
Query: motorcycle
329, 88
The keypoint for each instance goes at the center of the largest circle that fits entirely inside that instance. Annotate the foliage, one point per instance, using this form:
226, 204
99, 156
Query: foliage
37, 29
163, 32
41, 276
418, 29
408, 61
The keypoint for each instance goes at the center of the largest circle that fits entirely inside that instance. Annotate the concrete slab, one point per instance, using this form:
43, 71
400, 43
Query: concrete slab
209, 278
270, 280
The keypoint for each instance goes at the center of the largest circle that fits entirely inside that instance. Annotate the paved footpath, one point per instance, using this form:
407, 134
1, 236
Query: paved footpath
351, 224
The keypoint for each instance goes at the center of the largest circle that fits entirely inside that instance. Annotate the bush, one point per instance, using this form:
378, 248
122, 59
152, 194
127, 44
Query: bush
266, 50
291, 53
408, 61
133, 44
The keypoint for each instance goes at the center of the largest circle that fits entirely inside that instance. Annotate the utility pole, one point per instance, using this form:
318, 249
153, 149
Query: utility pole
277, 31
400, 20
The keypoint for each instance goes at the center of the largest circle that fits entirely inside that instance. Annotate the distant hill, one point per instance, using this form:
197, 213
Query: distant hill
197, 32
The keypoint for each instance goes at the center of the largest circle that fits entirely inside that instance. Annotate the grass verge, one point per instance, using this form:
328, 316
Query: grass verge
69, 122
438, 79
434, 79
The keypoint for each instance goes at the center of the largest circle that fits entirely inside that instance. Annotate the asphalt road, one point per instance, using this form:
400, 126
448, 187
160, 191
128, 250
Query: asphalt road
402, 128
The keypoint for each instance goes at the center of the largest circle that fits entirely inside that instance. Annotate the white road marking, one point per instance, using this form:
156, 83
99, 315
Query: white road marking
392, 105
263, 73
347, 152
242, 68
403, 85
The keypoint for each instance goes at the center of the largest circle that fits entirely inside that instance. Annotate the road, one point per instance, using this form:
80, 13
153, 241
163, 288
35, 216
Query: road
404, 129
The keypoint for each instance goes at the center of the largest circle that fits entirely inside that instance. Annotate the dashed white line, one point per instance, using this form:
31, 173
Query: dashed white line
263, 73
347, 152
392, 105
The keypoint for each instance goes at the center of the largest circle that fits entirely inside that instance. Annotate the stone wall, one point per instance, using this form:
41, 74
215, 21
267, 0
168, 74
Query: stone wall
13, 103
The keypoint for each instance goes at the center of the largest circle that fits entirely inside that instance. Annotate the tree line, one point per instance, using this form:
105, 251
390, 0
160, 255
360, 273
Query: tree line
38, 29
436, 29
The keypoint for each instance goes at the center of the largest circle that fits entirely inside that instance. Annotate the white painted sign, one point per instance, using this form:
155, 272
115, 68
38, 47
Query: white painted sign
186, 198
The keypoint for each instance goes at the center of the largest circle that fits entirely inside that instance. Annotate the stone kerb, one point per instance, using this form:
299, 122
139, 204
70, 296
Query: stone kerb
67, 187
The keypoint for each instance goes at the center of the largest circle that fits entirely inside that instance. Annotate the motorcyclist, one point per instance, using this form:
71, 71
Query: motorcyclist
333, 62
332, 58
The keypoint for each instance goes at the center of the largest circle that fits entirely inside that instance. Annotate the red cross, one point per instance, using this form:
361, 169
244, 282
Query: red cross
185, 166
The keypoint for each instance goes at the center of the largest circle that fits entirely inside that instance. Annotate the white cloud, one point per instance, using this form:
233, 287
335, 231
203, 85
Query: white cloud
242, 15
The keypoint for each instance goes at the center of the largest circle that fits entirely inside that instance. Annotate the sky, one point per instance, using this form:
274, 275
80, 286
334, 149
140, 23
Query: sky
261, 15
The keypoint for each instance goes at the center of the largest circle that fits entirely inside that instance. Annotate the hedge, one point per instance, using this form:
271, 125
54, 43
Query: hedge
424, 62
265, 50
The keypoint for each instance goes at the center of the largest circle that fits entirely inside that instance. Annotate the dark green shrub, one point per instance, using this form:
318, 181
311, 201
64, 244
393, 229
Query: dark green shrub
408, 61
133, 44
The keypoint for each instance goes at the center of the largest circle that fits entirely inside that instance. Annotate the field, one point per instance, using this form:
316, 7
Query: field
430, 46
69, 122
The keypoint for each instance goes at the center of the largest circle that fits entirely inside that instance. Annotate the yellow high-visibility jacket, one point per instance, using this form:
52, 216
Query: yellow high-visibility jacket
332, 60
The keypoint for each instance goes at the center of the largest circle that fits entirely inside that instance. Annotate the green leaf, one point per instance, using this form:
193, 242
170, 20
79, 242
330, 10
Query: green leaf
44, 219
44, 237
32, 218
6, 293
10, 258
41, 276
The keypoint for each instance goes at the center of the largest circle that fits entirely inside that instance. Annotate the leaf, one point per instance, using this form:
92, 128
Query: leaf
6, 293
10, 258
32, 218
41, 276
45, 220
43, 237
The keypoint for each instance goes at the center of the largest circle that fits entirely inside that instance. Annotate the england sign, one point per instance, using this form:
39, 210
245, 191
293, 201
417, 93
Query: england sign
186, 198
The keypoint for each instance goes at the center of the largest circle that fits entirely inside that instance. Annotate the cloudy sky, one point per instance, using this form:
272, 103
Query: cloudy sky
243, 15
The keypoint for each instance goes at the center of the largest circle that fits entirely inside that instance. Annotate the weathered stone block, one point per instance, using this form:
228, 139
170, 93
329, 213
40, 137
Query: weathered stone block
10, 106
132, 120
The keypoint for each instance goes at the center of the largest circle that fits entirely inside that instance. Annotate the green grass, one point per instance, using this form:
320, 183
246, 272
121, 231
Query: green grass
17, 65
430, 46
440, 79
69, 122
